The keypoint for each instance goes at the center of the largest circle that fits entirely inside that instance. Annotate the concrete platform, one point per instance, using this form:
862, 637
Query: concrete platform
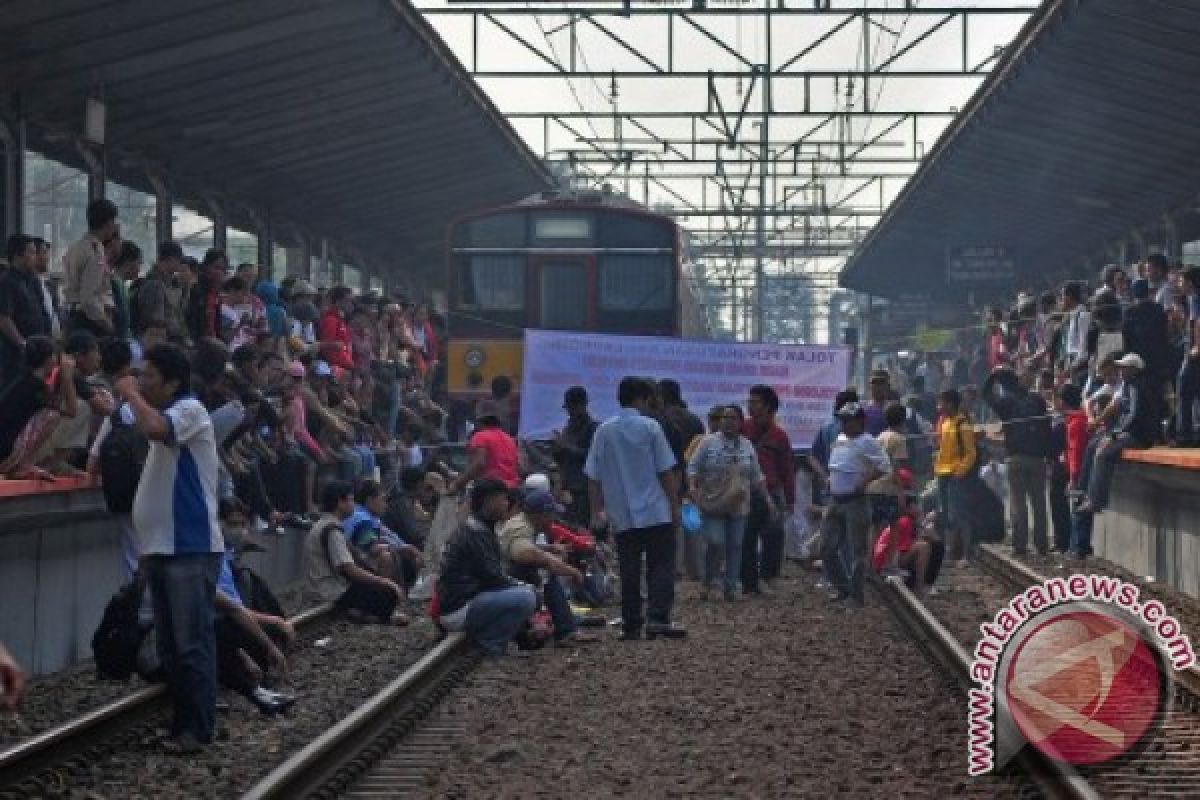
1152, 527
60, 562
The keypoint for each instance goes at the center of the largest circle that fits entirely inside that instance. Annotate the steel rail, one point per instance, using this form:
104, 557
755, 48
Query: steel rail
31, 756
1054, 780
363, 736
1021, 576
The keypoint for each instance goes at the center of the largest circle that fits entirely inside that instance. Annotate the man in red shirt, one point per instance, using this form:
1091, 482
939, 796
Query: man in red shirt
774, 451
337, 346
491, 454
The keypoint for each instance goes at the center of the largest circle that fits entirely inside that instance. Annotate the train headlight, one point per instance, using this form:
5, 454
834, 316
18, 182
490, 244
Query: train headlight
474, 357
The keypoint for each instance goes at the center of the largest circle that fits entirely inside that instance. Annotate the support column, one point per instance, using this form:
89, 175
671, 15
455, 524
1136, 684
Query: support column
164, 208
93, 159
266, 253
325, 258
12, 202
220, 218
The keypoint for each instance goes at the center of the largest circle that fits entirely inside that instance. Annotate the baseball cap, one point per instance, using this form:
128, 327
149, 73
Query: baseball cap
539, 502
576, 395
321, 369
296, 370
850, 410
537, 482
1131, 360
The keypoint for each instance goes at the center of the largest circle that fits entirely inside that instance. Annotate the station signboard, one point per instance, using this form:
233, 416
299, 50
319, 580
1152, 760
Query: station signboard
980, 265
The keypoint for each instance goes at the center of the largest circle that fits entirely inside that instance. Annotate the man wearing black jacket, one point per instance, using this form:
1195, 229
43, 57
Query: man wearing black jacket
475, 592
1027, 448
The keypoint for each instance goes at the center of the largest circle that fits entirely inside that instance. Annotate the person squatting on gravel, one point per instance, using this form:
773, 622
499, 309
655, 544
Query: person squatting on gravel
179, 536
518, 540
250, 642
633, 491
475, 593
854, 462
331, 575
722, 473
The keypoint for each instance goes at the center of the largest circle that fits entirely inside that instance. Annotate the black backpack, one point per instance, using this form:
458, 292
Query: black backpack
121, 458
256, 594
119, 635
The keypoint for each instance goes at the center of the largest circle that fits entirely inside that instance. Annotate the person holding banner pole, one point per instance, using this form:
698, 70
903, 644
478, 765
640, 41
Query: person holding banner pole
761, 565
633, 490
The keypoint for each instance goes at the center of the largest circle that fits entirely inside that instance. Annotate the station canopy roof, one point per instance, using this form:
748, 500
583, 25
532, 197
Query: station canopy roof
348, 118
1084, 132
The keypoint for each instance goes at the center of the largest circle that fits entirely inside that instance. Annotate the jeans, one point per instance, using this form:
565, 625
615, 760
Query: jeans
723, 543
657, 543
1081, 533
1108, 453
1060, 508
1187, 388
844, 535
129, 548
183, 590
395, 400
1027, 490
559, 607
952, 508
493, 618
764, 563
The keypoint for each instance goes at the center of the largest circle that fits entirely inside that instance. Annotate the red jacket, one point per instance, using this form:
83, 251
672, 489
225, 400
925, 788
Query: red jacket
334, 331
1077, 442
774, 450
577, 542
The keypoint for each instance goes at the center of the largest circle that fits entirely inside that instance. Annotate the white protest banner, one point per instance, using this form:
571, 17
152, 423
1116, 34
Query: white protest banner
711, 373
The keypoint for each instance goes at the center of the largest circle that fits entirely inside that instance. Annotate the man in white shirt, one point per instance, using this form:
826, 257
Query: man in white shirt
854, 462
179, 536
632, 487
1078, 321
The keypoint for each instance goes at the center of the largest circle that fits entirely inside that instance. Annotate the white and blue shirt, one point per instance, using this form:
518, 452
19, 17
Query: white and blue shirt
628, 453
175, 509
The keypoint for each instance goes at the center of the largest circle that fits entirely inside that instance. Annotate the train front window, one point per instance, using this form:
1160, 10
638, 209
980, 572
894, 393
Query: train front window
494, 283
635, 283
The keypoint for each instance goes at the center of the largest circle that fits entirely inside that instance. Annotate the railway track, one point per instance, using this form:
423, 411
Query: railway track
1052, 779
332, 764
1168, 766
44, 763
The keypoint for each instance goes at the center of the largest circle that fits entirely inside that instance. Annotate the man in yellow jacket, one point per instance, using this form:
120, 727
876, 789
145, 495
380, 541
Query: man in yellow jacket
956, 460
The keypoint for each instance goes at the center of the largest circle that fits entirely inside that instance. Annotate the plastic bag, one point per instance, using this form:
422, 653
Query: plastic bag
445, 522
692, 521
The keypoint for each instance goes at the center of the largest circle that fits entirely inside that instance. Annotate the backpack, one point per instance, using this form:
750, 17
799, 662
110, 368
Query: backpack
121, 458
119, 635
256, 594
985, 509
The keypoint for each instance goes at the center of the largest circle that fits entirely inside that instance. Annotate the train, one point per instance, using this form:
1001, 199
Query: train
560, 260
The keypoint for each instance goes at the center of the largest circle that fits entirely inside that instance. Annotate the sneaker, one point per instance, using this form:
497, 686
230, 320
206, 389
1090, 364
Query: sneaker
182, 745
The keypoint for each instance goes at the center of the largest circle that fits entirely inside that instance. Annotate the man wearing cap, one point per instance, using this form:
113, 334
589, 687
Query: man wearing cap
571, 446
475, 592
518, 539
854, 462
1139, 425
